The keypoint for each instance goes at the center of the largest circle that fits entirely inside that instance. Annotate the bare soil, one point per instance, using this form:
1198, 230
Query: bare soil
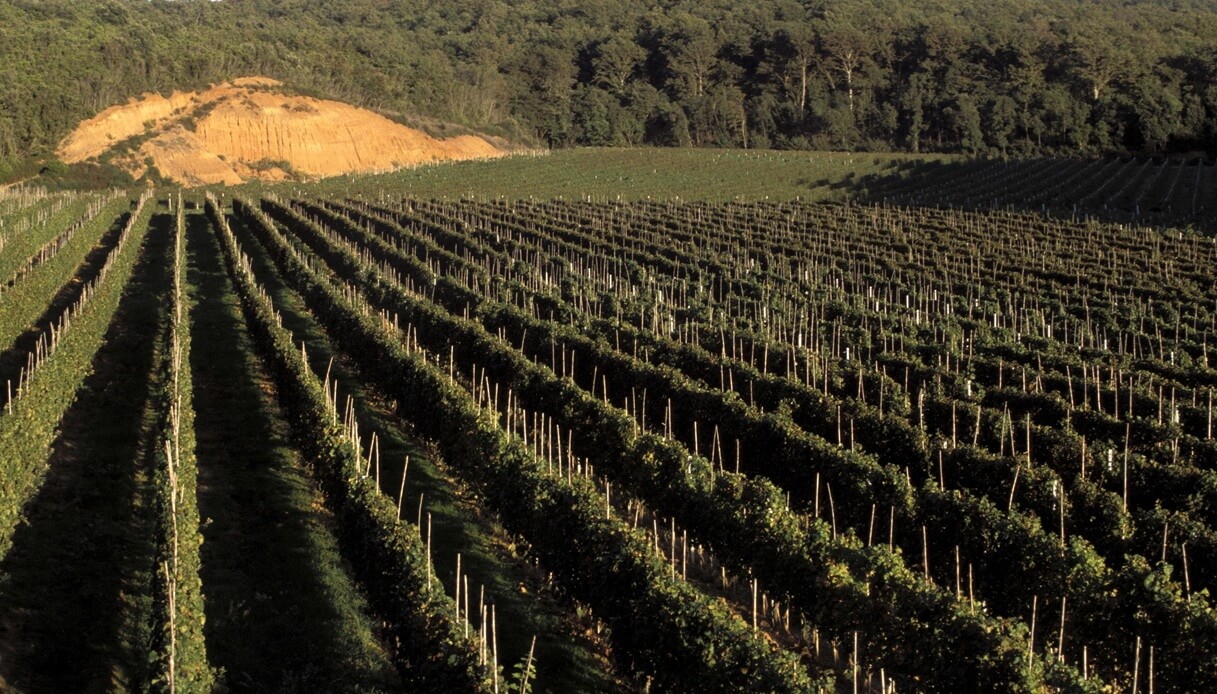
250, 129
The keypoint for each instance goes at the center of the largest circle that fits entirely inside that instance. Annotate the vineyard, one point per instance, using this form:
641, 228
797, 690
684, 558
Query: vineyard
299, 441
1142, 190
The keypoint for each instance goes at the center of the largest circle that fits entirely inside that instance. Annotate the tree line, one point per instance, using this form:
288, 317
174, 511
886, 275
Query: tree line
1017, 78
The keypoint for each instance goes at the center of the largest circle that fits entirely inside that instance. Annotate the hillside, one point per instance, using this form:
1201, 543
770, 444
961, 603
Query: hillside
250, 129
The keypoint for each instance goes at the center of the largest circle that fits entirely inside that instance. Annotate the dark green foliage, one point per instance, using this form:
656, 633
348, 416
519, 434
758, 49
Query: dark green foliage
1020, 78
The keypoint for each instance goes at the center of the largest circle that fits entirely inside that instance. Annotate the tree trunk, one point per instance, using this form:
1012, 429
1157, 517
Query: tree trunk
803, 88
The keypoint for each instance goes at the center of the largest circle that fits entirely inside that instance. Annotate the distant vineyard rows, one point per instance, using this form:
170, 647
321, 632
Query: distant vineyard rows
1142, 190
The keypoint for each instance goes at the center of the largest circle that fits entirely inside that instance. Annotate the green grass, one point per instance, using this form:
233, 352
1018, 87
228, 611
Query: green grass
630, 174
564, 662
282, 612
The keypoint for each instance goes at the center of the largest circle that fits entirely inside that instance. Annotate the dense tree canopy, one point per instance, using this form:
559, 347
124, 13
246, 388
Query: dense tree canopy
1016, 77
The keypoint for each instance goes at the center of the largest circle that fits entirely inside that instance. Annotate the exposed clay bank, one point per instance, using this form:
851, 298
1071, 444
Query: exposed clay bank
250, 129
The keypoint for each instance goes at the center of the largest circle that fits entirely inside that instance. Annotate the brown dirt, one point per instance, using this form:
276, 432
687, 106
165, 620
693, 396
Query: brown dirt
248, 129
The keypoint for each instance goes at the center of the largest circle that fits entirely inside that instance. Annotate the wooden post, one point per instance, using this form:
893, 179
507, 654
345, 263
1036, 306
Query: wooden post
1069, 379
925, 553
870, 533
1028, 429
976, 429
754, 587
672, 553
891, 528
1151, 670
855, 669
528, 666
1031, 637
953, 438
1127, 436
401, 493
1060, 641
1013, 486
958, 584
1165, 528
1061, 506
832, 509
1187, 580
817, 503
1136, 666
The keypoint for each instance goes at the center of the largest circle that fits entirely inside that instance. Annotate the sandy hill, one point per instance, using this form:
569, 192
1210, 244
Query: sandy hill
251, 129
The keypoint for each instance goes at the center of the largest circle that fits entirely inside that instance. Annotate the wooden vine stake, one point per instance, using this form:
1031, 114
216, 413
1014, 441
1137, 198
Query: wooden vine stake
1187, 580
1127, 436
1060, 639
428, 552
1136, 666
494, 648
528, 666
855, 663
925, 553
401, 493
1151, 670
754, 589
1031, 637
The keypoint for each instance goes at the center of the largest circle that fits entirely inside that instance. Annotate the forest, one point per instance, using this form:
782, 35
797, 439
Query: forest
1016, 78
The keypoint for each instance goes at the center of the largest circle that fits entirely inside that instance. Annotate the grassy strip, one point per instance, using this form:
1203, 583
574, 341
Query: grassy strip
429, 649
30, 422
179, 649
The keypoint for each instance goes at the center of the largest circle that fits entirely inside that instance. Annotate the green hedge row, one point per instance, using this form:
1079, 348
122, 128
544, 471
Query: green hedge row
179, 648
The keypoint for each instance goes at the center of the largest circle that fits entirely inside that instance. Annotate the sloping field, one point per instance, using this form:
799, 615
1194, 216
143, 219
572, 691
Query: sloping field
461, 445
